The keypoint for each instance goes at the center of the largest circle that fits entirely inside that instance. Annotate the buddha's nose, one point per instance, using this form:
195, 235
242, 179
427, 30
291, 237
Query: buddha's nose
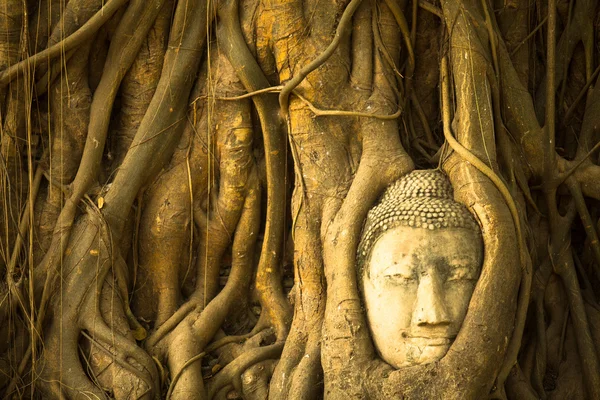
429, 307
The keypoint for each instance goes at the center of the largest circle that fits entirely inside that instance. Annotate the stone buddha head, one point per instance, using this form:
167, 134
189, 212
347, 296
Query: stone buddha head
418, 261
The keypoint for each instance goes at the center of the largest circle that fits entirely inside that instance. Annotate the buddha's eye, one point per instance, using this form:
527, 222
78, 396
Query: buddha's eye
400, 278
399, 273
461, 273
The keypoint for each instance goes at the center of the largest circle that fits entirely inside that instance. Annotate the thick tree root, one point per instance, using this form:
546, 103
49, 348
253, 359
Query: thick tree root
234, 369
77, 307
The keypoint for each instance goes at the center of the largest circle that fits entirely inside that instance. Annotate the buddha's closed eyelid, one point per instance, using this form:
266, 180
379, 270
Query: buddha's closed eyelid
400, 279
462, 272
399, 269
399, 274
460, 262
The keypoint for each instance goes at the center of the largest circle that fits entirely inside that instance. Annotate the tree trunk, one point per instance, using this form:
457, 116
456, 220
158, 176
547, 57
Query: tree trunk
185, 185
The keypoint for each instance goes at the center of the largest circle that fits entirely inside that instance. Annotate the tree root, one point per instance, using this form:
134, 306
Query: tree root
525, 261
341, 31
201, 324
192, 260
296, 376
268, 277
84, 281
234, 369
255, 380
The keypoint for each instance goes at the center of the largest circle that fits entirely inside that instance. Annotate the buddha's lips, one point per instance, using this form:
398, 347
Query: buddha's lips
431, 341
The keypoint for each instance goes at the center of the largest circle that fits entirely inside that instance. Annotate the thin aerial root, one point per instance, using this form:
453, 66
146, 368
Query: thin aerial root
533, 32
272, 89
43, 85
23, 227
319, 112
565, 175
343, 26
425, 5
180, 372
588, 223
541, 356
585, 344
581, 95
403, 25
84, 33
550, 123
423, 118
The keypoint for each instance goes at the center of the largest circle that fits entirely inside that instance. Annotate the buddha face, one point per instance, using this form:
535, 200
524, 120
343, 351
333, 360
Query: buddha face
417, 285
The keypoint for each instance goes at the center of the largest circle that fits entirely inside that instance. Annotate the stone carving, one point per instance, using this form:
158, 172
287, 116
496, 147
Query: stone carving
418, 260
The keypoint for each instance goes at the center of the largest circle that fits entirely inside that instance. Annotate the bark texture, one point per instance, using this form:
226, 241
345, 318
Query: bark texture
184, 185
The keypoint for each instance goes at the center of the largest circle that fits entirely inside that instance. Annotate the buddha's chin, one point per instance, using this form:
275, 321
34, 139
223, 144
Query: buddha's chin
428, 353
419, 351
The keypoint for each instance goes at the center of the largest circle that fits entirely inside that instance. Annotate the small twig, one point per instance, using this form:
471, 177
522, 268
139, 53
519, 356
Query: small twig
180, 372
431, 8
563, 333
564, 176
319, 112
191, 216
272, 89
580, 96
537, 28
135, 245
